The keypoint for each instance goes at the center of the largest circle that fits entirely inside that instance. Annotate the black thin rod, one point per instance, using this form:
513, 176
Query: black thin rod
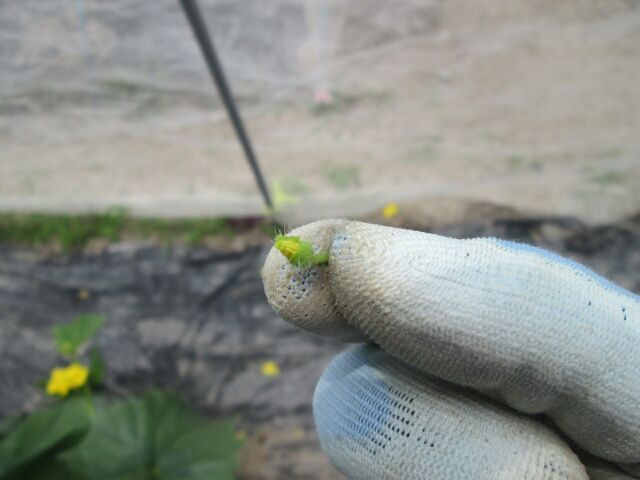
199, 28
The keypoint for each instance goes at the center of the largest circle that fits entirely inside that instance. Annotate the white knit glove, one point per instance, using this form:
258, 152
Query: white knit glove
472, 338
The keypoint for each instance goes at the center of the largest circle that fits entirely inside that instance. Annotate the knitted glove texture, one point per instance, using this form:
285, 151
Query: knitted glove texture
529, 329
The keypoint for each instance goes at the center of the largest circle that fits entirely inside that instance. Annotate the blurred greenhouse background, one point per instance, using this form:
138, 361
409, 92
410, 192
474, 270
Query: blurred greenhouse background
125, 193
534, 105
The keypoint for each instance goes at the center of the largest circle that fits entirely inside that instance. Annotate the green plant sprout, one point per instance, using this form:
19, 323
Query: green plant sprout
299, 252
76, 231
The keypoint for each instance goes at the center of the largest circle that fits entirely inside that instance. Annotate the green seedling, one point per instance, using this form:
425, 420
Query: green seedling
344, 177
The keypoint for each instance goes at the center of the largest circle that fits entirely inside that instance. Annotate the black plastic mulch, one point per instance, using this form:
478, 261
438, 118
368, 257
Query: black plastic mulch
196, 320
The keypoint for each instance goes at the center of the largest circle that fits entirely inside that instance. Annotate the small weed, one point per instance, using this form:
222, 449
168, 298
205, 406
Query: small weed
193, 231
472, 159
10, 108
69, 231
607, 179
121, 86
293, 185
151, 105
422, 153
344, 177
610, 153
492, 137
47, 99
285, 190
480, 163
345, 101
28, 185
270, 229
75, 231
516, 161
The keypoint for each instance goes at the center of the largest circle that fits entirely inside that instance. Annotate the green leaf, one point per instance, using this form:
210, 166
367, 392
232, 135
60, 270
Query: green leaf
43, 433
8, 424
154, 437
70, 337
96, 368
49, 468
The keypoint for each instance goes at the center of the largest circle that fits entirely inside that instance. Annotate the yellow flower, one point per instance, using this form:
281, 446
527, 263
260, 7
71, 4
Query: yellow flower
83, 294
68, 378
289, 246
270, 369
299, 252
390, 211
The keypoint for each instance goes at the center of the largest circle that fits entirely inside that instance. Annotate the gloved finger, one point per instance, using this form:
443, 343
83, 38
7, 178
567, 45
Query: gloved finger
608, 473
378, 419
539, 332
598, 469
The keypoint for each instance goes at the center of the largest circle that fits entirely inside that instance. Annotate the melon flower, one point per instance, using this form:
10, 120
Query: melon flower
62, 380
299, 252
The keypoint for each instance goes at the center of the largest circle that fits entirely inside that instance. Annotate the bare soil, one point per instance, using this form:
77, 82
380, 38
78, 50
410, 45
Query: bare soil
533, 105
